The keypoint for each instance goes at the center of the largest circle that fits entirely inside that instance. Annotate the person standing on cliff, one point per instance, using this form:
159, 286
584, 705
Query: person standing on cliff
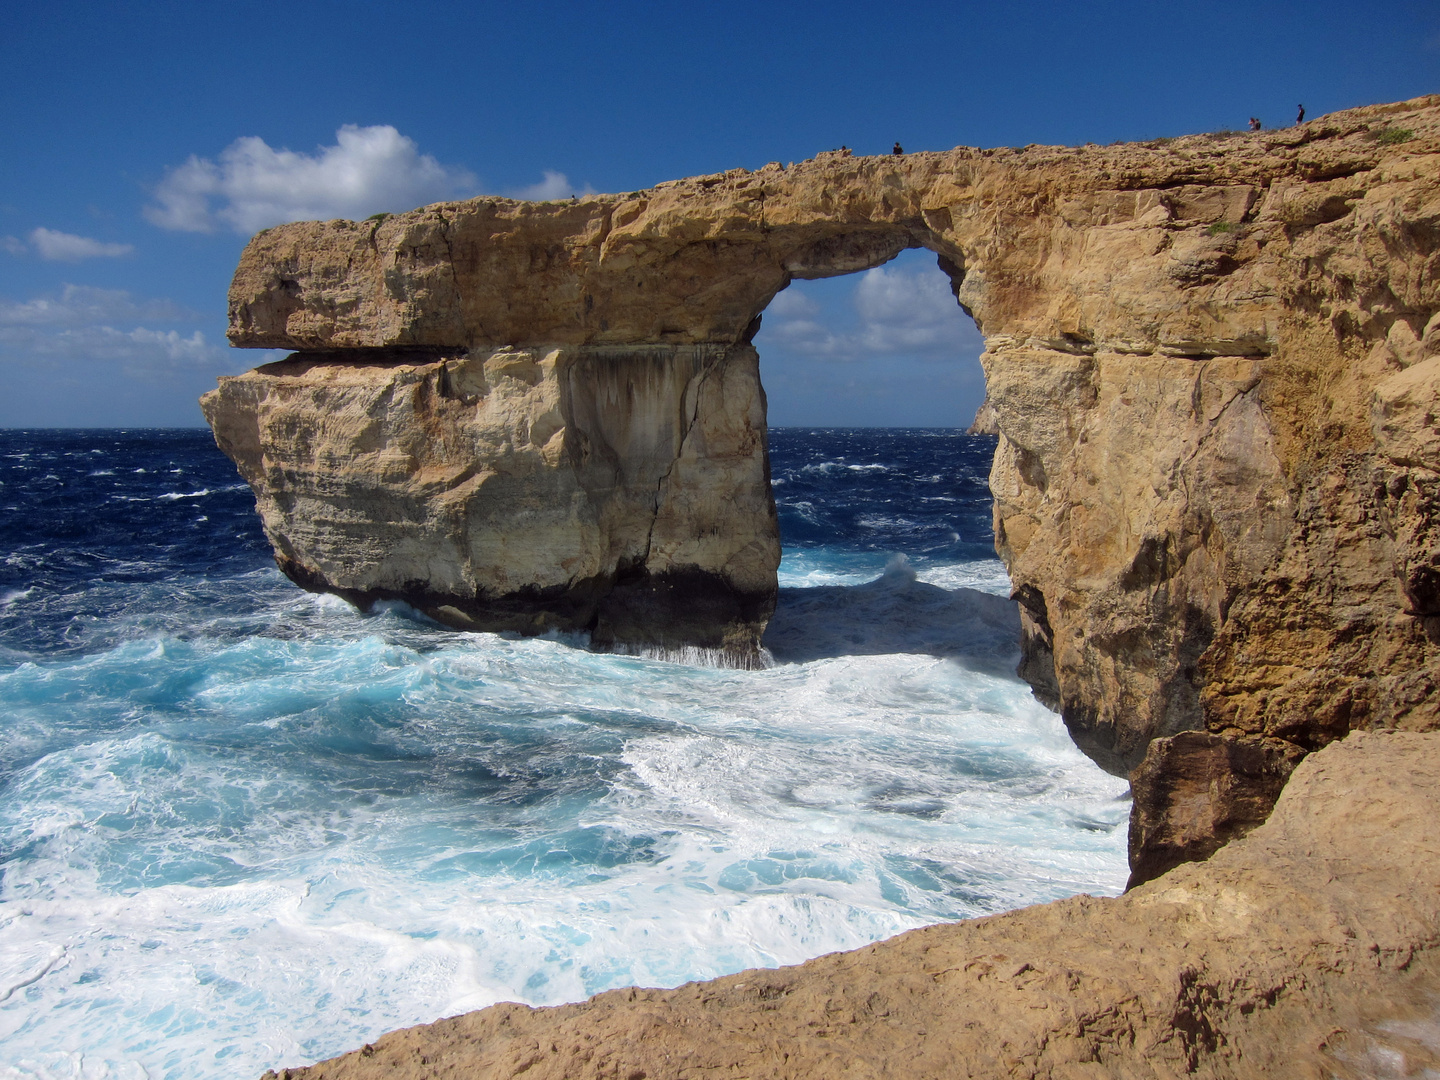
1300, 116
1254, 123
897, 149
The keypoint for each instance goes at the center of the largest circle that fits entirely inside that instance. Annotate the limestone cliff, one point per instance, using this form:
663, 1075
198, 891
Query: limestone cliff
985, 422
1213, 362
620, 491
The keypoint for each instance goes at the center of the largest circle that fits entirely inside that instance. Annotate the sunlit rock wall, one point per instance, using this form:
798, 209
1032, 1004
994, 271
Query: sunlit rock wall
617, 491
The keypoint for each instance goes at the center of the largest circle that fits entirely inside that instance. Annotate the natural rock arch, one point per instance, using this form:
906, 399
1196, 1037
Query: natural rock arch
1213, 363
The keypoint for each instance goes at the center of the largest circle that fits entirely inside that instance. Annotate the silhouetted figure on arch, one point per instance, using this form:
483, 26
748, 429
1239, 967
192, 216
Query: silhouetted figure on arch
1300, 116
897, 149
1254, 123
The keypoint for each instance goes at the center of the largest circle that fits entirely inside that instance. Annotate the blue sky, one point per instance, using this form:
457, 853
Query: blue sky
143, 142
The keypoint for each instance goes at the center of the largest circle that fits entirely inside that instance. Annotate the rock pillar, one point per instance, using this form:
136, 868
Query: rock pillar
621, 491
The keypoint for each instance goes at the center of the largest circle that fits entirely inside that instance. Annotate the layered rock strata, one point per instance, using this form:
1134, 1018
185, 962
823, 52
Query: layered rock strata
1213, 363
620, 491
1309, 949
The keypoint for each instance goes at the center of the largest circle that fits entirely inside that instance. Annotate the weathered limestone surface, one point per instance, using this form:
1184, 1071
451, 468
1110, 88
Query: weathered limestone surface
1308, 949
1214, 364
575, 487
984, 422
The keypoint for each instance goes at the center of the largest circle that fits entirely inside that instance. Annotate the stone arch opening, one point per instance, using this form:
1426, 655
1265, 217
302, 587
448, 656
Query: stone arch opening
888, 346
872, 378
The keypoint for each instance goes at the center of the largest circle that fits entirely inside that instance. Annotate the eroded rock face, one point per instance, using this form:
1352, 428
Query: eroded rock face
1214, 364
620, 491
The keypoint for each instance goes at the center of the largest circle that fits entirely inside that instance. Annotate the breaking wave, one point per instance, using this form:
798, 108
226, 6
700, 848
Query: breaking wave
244, 827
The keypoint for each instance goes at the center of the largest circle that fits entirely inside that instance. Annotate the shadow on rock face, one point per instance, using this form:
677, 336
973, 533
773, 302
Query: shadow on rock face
895, 613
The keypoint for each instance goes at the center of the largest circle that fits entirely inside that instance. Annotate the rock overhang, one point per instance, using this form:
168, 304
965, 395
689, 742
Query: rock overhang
695, 260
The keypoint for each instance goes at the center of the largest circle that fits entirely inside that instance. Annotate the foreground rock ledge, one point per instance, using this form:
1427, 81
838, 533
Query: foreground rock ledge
1311, 948
1213, 363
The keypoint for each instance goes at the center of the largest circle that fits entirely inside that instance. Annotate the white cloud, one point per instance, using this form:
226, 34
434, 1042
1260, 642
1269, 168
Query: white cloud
556, 185
810, 338
64, 247
792, 304
912, 312
141, 351
78, 304
253, 186
77, 327
897, 311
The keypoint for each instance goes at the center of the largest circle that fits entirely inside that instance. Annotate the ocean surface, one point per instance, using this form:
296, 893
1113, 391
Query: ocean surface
242, 826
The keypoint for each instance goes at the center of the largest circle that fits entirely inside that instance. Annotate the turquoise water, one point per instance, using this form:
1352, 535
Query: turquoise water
243, 826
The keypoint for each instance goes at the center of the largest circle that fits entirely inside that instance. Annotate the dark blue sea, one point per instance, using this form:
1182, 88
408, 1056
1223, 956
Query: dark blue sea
243, 826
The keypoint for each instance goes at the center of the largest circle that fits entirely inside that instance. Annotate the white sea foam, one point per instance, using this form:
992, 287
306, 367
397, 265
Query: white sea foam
811, 567
235, 851
987, 575
14, 595
827, 467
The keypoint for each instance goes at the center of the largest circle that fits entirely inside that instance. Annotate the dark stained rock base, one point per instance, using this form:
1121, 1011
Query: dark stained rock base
633, 611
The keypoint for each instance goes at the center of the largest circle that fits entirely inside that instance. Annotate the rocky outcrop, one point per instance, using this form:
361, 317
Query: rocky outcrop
985, 422
1212, 363
1311, 948
619, 491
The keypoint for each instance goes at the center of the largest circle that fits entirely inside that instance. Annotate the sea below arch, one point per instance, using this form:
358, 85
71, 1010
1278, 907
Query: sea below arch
246, 826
